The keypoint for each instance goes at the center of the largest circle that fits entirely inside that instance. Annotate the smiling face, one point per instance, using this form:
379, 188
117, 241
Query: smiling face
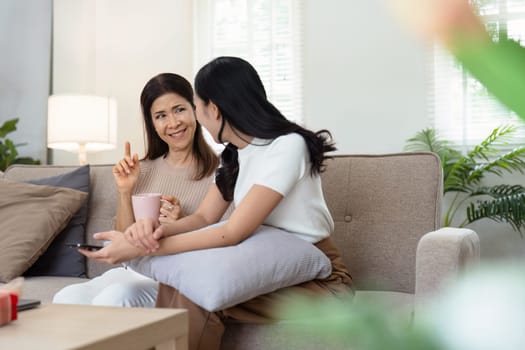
174, 121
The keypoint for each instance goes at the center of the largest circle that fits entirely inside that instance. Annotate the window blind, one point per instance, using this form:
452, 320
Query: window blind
461, 109
266, 33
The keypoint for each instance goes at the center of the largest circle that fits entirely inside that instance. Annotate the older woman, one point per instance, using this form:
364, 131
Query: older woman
178, 163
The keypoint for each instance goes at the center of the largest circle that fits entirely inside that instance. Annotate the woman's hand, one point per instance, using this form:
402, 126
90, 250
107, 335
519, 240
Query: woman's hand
126, 172
140, 235
117, 251
170, 210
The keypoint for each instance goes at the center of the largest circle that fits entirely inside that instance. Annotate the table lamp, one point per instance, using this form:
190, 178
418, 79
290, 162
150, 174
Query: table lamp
81, 123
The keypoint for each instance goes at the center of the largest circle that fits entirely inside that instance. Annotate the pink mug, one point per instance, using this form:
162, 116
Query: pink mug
146, 205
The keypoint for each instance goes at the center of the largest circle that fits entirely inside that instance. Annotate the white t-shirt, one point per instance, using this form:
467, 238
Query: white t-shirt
284, 166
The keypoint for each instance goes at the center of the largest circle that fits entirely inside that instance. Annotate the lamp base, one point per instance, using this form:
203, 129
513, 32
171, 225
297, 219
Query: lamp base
82, 156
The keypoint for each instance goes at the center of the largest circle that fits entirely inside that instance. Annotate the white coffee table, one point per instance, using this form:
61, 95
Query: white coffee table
57, 326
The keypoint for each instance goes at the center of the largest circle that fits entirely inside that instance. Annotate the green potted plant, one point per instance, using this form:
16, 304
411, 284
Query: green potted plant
8, 149
463, 175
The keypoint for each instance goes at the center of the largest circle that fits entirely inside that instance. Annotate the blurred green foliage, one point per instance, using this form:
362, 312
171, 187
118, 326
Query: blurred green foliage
499, 66
343, 324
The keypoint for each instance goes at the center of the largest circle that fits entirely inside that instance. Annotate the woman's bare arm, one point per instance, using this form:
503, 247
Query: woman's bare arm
124, 217
146, 233
126, 173
245, 219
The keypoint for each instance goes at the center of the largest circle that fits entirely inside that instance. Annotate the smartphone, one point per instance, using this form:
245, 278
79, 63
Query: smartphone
85, 246
26, 304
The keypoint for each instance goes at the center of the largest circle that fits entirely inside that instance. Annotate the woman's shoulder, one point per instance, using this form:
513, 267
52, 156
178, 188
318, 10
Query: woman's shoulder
289, 147
291, 138
292, 141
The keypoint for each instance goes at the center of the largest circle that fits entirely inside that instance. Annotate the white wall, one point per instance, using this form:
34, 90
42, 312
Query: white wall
365, 77
25, 61
112, 47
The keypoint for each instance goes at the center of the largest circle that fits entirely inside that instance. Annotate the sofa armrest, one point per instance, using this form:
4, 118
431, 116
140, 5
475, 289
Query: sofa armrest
443, 255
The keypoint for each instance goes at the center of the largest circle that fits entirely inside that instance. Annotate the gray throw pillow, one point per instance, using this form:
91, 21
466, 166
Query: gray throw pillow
218, 278
58, 259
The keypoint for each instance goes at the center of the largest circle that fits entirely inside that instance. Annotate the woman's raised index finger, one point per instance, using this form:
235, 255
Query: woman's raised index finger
127, 149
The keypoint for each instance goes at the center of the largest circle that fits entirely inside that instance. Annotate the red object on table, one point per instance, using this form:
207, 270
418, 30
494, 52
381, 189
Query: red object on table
8, 304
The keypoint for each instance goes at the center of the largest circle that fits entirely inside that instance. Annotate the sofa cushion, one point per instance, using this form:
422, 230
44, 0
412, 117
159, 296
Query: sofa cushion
58, 259
30, 217
218, 278
44, 288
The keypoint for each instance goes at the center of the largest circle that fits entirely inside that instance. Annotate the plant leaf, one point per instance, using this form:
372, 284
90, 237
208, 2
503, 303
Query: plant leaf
8, 149
510, 209
492, 145
26, 160
509, 162
499, 191
8, 127
457, 174
456, 167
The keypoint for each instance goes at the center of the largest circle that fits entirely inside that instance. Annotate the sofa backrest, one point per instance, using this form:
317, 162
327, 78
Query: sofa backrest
381, 205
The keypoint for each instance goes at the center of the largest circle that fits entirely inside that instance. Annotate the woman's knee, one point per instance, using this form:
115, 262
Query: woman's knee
74, 294
126, 294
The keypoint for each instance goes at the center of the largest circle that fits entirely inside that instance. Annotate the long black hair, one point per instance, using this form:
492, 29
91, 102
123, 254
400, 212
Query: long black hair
234, 86
157, 86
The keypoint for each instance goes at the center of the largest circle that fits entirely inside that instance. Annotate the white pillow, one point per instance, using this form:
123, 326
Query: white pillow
218, 278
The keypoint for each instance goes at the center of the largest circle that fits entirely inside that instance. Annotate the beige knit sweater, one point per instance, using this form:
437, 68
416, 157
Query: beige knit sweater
158, 176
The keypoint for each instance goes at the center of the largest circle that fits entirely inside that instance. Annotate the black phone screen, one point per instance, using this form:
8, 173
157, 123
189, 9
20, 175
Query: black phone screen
84, 246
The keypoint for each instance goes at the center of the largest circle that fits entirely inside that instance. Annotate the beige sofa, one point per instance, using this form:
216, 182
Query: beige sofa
386, 210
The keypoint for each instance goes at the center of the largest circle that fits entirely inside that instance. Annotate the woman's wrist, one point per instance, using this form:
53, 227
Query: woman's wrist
125, 194
167, 230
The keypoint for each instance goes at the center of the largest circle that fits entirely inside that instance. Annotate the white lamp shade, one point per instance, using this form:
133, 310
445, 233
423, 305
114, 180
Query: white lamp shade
84, 122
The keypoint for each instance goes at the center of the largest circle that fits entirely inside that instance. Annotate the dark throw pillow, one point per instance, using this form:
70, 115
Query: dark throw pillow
58, 259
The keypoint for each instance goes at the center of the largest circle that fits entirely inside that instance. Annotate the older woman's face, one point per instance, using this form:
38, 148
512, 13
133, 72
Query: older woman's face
174, 121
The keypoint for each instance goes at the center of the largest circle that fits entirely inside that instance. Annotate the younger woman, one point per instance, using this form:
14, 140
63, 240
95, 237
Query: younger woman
270, 169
